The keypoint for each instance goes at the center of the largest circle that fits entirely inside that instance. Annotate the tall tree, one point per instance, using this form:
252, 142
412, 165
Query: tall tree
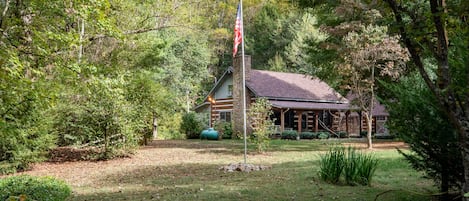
368, 54
431, 137
431, 32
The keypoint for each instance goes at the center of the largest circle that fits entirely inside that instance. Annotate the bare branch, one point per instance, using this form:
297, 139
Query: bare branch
139, 31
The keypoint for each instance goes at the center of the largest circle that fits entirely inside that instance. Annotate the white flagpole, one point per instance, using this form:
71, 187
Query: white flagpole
244, 83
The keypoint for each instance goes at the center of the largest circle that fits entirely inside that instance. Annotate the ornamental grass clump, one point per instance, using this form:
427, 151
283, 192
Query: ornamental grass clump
332, 164
355, 167
367, 166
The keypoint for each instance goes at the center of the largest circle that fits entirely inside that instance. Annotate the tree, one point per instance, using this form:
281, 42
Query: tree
431, 32
259, 115
431, 137
365, 52
150, 102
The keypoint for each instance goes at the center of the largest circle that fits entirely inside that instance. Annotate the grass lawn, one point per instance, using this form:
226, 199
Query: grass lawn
189, 170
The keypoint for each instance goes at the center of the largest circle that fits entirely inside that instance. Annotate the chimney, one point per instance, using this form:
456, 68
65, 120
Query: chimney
238, 92
238, 65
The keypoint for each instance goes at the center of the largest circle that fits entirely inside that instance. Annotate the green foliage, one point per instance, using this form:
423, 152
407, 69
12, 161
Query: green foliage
359, 167
342, 134
25, 122
33, 188
100, 117
432, 139
289, 134
332, 165
192, 125
259, 115
367, 165
356, 167
308, 135
224, 128
324, 135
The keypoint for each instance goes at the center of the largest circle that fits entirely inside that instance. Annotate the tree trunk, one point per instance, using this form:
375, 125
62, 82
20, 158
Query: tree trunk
155, 127
369, 123
465, 155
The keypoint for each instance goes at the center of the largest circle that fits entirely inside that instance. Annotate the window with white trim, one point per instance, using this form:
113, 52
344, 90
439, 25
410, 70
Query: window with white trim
225, 116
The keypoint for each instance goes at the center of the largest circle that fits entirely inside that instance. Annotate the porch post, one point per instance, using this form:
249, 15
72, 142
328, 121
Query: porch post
298, 113
210, 115
282, 120
360, 122
346, 122
316, 116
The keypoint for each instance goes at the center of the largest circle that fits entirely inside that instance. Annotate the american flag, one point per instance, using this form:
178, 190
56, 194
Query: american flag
238, 38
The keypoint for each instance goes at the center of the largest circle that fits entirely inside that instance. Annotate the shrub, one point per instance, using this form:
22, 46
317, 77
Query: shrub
191, 125
323, 135
34, 188
224, 128
331, 165
356, 167
365, 133
308, 135
259, 114
342, 134
289, 134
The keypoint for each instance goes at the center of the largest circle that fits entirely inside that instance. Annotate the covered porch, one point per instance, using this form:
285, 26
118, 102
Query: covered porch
310, 116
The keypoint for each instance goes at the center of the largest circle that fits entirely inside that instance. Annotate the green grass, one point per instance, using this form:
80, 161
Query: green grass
294, 176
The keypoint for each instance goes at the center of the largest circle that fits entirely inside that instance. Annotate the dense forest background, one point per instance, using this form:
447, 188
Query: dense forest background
114, 73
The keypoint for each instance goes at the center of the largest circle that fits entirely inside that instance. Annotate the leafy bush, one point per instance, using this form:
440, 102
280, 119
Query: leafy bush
342, 134
289, 134
259, 115
25, 123
323, 135
356, 167
191, 125
365, 133
308, 135
34, 188
332, 164
224, 128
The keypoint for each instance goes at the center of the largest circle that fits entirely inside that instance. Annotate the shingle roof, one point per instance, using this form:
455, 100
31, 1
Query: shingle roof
291, 86
309, 105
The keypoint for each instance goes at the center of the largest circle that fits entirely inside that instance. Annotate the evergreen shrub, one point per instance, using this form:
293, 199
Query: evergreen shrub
28, 188
308, 135
289, 134
323, 135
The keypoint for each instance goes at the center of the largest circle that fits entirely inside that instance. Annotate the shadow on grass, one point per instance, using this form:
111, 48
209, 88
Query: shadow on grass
285, 181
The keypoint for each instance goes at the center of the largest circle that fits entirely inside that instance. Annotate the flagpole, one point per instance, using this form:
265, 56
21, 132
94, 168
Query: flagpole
244, 83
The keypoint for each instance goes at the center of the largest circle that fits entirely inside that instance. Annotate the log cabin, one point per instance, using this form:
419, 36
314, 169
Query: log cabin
300, 102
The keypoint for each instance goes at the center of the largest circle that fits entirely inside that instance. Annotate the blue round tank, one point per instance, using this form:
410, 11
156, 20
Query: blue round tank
209, 134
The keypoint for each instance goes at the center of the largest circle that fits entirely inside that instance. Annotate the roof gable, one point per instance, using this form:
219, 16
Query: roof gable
291, 86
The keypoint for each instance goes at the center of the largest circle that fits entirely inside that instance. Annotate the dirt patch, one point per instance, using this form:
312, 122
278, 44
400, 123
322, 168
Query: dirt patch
379, 145
70, 154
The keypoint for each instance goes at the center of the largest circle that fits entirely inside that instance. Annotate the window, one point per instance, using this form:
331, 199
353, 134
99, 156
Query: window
380, 118
225, 116
230, 90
